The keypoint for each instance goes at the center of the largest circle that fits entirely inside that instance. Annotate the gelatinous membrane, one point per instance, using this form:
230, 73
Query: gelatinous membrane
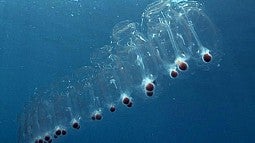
179, 31
173, 34
202, 30
142, 55
169, 34
39, 118
119, 71
137, 47
87, 77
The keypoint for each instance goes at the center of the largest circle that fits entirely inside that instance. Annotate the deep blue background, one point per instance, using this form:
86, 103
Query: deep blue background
41, 41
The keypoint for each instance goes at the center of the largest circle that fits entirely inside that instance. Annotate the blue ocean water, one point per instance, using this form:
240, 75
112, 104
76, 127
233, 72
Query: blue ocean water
41, 41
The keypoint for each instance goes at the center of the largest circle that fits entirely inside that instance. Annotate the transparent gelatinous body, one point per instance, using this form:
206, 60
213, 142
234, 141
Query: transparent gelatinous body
173, 35
180, 31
